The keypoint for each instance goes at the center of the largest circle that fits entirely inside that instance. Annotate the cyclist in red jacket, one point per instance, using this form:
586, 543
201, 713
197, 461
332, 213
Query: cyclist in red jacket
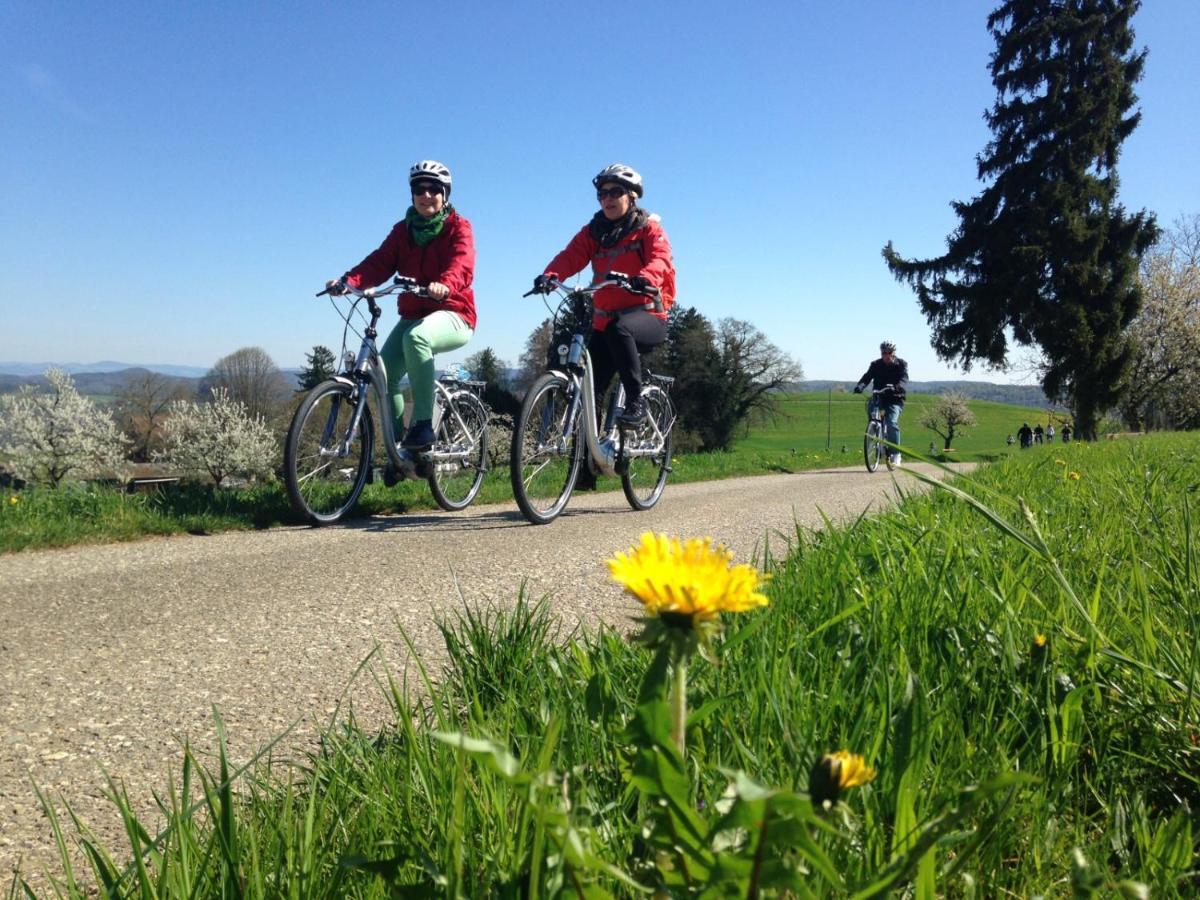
621, 237
434, 245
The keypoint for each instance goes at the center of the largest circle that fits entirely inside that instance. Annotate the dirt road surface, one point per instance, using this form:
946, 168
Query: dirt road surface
111, 656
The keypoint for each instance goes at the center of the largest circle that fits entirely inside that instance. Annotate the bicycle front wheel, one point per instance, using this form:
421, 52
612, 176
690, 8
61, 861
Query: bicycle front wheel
544, 463
325, 464
643, 478
872, 449
459, 452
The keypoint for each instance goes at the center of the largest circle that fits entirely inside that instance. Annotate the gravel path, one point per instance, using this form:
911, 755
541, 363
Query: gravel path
111, 656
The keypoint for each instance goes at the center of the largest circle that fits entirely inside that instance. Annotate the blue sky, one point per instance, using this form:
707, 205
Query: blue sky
178, 179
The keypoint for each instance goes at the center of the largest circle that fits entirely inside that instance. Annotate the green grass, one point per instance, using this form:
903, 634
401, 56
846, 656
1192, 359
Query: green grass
1005, 767
792, 442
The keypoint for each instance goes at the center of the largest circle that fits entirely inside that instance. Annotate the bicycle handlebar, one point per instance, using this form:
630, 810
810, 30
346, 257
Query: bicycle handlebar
400, 285
611, 279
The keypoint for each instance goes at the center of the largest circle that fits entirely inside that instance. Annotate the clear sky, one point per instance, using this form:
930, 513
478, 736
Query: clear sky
178, 179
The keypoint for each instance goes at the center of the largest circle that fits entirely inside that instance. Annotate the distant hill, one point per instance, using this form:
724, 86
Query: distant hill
104, 366
1016, 394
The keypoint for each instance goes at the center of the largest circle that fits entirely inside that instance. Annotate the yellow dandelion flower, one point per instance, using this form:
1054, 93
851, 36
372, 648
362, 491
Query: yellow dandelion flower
14, 500
1074, 476
690, 578
837, 772
1039, 640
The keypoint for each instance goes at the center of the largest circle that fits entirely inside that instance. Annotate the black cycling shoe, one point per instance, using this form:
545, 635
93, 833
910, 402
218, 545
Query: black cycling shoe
391, 477
586, 480
420, 435
634, 413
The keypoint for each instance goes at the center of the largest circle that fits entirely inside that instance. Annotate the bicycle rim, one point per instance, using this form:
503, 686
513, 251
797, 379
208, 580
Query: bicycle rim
643, 478
459, 452
324, 472
872, 447
544, 463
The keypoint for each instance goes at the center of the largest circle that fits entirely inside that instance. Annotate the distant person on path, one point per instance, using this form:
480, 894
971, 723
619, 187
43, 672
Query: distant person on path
1009, 440
1038, 433
1066, 433
1025, 435
1050, 433
890, 373
434, 245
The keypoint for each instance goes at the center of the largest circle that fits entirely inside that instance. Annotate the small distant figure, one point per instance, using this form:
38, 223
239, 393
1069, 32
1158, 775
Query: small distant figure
932, 449
1050, 433
1025, 436
1066, 433
1010, 440
1038, 433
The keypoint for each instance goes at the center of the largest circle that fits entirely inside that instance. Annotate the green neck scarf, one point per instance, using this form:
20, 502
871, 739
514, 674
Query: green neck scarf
423, 230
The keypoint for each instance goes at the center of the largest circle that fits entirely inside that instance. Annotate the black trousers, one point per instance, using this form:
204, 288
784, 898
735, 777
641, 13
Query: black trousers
617, 350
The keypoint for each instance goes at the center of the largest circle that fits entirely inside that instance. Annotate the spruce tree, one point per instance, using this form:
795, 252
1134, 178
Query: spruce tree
1046, 253
322, 365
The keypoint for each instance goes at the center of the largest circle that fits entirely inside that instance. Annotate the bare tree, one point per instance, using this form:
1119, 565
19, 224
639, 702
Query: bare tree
252, 379
533, 360
948, 416
752, 371
1166, 333
143, 402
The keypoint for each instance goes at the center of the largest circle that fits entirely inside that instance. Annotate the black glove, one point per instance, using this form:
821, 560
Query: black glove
542, 285
858, 389
638, 283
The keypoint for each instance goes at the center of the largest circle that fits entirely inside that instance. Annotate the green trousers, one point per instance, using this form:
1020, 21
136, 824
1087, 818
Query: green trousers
409, 349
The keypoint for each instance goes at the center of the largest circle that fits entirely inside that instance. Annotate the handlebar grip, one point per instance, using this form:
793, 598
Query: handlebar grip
321, 293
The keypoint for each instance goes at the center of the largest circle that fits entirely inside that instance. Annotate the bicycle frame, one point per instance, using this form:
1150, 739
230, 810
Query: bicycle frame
604, 451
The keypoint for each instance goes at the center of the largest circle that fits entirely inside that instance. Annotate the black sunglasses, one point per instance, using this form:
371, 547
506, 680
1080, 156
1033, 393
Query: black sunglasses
426, 187
612, 193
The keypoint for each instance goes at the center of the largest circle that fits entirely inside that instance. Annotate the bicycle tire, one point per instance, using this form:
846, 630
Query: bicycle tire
321, 491
543, 465
872, 449
454, 480
643, 478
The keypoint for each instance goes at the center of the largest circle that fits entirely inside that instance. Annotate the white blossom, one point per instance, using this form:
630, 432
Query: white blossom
218, 439
44, 437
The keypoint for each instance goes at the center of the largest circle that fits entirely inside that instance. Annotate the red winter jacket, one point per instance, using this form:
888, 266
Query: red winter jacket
645, 252
448, 258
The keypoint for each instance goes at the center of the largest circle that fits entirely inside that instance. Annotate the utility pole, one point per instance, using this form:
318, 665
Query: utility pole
828, 418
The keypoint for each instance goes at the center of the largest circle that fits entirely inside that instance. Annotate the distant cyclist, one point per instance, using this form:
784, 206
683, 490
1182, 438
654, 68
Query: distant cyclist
621, 237
435, 246
889, 373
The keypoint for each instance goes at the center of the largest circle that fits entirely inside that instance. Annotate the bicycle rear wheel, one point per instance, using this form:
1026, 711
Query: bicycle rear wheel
872, 449
459, 452
325, 467
544, 463
643, 478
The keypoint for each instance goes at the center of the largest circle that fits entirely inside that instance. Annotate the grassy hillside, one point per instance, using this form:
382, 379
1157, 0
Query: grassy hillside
809, 422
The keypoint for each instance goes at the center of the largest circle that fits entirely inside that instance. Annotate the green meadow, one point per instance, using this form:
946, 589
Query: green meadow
1016, 663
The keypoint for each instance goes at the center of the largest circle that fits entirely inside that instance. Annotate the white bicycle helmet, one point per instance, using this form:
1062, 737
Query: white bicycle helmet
887, 347
621, 174
430, 170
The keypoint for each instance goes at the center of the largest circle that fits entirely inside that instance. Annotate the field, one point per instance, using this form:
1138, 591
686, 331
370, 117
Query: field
793, 441
1011, 668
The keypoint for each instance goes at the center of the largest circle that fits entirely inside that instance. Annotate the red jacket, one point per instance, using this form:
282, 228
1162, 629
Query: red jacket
645, 252
448, 258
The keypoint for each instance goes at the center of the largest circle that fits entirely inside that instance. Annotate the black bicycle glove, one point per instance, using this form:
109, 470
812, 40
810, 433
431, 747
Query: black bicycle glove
542, 285
858, 389
638, 283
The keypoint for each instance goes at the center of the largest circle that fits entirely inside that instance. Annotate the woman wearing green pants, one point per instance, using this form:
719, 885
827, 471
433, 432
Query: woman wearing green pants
434, 245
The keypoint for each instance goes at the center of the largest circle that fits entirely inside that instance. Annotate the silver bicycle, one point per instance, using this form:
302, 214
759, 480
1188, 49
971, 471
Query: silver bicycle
557, 432
330, 444
874, 448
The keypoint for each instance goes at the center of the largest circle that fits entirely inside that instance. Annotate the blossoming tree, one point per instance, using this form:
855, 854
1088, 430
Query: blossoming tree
218, 439
47, 436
